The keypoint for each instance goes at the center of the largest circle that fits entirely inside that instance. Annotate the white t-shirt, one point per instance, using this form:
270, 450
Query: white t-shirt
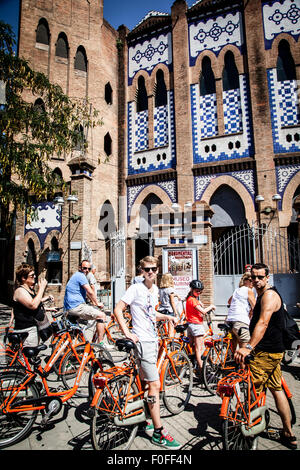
239, 308
142, 308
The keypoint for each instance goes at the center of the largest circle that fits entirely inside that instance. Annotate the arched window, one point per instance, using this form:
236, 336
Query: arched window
62, 47
108, 93
161, 97
81, 59
107, 144
142, 98
286, 69
230, 73
207, 78
228, 208
31, 255
54, 263
42, 32
39, 106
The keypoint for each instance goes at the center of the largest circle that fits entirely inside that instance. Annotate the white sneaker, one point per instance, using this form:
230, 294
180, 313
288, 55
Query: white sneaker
107, 346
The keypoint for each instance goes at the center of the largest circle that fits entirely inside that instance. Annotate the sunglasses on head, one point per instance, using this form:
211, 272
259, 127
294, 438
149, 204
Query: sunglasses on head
258, 277
147, 270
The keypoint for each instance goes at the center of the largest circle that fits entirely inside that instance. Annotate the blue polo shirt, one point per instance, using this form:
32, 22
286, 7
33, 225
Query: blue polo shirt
75, 293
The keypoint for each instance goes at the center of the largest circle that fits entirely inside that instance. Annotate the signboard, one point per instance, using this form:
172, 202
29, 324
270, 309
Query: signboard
182, 264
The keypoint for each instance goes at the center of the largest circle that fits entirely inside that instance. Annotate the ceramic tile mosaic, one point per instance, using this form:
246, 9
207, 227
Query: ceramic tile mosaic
280, 17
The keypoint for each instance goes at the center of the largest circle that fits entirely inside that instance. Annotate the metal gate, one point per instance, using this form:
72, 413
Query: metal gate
117, 265
247, 244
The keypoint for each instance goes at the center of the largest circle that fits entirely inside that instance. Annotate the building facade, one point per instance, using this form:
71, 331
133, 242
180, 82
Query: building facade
201, 116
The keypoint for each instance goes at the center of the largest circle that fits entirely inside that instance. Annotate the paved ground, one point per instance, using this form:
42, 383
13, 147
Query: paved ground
197, 428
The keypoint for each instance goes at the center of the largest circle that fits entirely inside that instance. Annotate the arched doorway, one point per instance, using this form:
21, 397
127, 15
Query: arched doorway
232, 245
143, 243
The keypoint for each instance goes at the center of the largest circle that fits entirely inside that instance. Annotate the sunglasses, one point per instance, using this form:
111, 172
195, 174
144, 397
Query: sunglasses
31, 275
258, 277
147, 270
89, 269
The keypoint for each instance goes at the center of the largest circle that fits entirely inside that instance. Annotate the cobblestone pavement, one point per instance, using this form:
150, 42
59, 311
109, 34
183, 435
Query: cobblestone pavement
197, 428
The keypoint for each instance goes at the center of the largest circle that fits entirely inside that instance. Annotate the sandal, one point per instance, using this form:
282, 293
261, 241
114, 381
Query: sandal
288, 441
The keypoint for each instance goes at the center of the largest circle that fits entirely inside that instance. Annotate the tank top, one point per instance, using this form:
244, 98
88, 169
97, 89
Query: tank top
272, 340
25, 317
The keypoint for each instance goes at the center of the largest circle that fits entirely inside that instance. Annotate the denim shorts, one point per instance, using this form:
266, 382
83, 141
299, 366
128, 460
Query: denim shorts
147, 359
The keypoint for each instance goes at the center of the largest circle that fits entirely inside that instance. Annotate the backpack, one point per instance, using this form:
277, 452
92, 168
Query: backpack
290, 332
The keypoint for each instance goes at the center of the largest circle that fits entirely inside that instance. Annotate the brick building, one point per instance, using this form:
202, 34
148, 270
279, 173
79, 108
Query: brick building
201, 115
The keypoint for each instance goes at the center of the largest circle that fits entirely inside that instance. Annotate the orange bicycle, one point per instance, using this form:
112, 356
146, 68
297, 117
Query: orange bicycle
244, 412
118, 403
217, 358
22, 396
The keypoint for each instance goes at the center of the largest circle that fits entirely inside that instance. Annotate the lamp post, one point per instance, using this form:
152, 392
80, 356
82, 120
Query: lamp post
71, 200
259, 199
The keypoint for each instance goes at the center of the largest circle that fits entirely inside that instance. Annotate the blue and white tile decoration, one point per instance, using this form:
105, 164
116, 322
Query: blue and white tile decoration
141, 159
47, 217
148, 53
232, 111
284, 105
214, 33
246, 177
161, 131
208, 115
141, 130
284, 174
170, 187
280, 17
238, 143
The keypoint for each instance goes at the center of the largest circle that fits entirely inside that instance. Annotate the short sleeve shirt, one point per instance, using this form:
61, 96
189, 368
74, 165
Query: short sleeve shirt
91, 278
75, 293
192, 314
142, 308
164, 297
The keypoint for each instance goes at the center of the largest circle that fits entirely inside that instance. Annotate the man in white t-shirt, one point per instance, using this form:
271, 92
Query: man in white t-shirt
142, 299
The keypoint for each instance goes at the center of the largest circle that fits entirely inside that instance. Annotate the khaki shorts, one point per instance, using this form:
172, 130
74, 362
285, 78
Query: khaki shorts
146, 360
87, 312
266, 370
240, 330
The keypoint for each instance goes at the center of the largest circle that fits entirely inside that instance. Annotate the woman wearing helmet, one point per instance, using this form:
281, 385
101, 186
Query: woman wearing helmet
195, 312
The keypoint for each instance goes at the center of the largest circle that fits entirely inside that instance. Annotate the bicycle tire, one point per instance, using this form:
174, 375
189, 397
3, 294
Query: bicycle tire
293, 411
77, 339
14, 427
69, 369
233, 438
115, 333
105, 434
212, 369
177, 386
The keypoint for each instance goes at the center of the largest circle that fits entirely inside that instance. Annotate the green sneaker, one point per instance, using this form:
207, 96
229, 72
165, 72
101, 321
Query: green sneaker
164, 439
149, 429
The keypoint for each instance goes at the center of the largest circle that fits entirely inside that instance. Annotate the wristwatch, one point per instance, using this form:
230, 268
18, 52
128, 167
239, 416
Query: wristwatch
248, 346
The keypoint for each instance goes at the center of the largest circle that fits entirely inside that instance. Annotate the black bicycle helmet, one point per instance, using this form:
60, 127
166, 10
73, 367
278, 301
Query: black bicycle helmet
196, 284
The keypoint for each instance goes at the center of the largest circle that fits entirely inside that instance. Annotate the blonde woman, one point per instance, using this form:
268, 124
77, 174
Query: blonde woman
167, 299
241, 304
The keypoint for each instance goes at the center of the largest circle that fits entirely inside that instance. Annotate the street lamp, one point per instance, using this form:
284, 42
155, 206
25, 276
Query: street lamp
71, 200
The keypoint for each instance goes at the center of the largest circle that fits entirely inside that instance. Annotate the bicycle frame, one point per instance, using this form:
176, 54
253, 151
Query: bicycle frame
8, 405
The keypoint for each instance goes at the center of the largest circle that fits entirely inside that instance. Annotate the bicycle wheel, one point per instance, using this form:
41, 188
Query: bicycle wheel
177, 382
71, 364
106, 435
213, 369
114, 333
15, 426
233, 438
77, 339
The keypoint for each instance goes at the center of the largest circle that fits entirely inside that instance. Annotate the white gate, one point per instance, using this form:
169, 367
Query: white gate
117, 265
247, 244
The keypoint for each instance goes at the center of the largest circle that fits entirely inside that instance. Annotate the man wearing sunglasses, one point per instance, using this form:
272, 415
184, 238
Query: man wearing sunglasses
266, 344
77, 291
143, 298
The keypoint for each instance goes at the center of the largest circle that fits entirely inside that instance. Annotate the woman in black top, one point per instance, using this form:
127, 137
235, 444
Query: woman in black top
27, 304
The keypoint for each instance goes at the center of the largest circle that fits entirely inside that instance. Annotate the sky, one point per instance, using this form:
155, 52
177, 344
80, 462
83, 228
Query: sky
116, 12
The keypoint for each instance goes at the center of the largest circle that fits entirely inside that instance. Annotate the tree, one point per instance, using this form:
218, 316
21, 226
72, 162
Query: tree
37, 121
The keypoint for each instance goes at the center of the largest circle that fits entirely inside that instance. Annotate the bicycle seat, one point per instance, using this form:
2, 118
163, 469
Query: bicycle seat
223, 326
16, 338
32, 352
125, 344
181, 328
